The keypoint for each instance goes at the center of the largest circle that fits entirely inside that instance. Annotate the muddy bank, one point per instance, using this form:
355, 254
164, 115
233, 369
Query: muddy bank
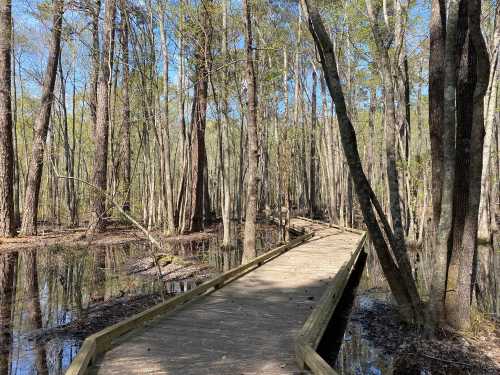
376, 341
72, 238
115, 234
77, 237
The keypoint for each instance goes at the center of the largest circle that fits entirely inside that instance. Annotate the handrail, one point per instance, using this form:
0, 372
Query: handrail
101, 341
309, 336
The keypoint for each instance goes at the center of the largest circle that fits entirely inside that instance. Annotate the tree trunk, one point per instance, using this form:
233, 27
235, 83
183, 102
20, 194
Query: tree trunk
312, 166
392, 171
198, 123
366, 197
166, 132
102, 122
125, 154
33, 180
7, 218
460, 318
226, 154
69, 182
95, 10
491, 99
436, 102
466, 82
438, 283
330, 157
249, 250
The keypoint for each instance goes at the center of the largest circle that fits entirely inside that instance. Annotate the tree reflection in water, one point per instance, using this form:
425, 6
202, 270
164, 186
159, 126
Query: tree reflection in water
43, 290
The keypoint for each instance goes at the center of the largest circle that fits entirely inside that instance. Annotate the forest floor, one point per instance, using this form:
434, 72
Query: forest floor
451, 353
115, 234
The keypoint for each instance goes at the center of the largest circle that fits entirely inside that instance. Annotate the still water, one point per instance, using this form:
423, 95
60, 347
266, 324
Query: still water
52, 298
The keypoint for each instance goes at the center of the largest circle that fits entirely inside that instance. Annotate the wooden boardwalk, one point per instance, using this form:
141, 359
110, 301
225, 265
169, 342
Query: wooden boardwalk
246, 327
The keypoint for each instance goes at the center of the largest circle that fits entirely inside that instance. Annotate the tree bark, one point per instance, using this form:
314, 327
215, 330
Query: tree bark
491, 99
460, 317
466, 82
436, 102
313, 163
7, 217
125, 141
438, 283
330, 157
249, 250
198, 123
95, 10
102, 121
226, 154
33, 180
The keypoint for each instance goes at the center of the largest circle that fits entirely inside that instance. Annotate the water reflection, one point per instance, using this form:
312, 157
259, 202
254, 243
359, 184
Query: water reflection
7, 270
352, 351
47, 290
359, 355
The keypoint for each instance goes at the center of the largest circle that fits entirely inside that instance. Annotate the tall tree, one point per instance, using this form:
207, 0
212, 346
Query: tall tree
436, 101
125, 145
7, 220
438, 283
249, 250
198, 121
102, 120
226, 155
461, 312
410, 309
380, 33
165, 133
95, 10
33, 180
313, 208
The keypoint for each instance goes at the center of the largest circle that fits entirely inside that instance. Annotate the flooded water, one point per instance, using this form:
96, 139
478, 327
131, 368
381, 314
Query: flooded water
359, 354
51, 298
365, 318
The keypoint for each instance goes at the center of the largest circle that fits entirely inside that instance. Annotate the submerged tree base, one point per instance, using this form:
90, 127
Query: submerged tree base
376, 338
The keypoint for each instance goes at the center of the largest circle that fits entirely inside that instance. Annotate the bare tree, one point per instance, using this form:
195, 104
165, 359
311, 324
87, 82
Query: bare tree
438, 285
95, 10
410, 308
102, 120
165, 133
198, 123
226, 154
125, 141
249, 250
436, 101
33, 180
7, 219
461, 312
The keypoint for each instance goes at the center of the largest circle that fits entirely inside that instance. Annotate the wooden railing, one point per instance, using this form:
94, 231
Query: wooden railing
101, 341
312, 331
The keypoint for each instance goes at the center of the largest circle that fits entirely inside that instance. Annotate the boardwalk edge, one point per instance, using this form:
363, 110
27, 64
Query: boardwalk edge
309, 336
